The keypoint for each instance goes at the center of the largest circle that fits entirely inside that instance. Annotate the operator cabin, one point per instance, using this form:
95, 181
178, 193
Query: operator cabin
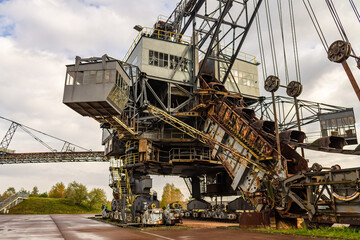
167, 56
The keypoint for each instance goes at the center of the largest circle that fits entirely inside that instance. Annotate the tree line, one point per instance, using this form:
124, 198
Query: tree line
79, 194
76, 192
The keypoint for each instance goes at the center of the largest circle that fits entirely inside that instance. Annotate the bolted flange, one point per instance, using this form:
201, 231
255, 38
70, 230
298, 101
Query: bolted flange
294, 89
272, 83
339, 51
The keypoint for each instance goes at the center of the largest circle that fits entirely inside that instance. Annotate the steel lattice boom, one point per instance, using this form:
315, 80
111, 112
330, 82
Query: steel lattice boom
52, 157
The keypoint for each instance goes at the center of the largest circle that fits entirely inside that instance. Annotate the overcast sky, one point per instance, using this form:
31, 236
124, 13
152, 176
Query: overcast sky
39, 37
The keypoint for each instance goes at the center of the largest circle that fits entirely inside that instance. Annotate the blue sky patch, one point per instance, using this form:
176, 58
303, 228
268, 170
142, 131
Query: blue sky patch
7, 30
92, 5
6, 26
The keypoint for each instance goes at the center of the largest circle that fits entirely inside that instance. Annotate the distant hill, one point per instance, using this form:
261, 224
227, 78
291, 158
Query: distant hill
35, 205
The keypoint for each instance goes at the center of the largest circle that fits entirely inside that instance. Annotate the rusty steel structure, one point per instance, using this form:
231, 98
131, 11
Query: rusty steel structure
53, 157
334, 120
176, 107
68, 152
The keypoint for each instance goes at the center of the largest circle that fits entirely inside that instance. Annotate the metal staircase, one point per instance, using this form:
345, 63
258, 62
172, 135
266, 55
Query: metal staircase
12, 201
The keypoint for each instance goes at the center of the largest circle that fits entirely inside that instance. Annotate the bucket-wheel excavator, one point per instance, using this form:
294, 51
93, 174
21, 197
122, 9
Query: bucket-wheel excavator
181, 105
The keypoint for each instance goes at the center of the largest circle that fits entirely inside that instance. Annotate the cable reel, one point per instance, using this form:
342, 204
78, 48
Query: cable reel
294, 89
339, 51
272, 83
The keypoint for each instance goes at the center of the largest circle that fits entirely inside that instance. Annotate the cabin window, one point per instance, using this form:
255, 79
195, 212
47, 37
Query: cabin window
184, 66
168, 61
244, 78
70, 78
86, 77
92, 77
158, 59
99, 76
163, 60
173, 61
151, 57
79, 78
107, 76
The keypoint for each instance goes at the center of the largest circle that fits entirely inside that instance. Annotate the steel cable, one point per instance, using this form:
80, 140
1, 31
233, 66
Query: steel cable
29, 128
316, 24
261, 45
355, 10
283, 40
294, 39
338, 22
336, 18
271, 37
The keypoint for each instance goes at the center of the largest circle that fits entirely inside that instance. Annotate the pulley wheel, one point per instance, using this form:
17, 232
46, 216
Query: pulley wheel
336, 167
294, 89
272, 83
339, 51
316, 167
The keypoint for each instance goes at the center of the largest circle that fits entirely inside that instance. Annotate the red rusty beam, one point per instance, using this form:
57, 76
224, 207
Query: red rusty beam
352, 79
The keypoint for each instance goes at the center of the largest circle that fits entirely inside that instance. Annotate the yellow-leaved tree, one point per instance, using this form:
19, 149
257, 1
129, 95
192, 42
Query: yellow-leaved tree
58, 191
171, 194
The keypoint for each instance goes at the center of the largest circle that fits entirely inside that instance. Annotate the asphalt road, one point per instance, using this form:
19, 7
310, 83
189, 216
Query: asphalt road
80, 227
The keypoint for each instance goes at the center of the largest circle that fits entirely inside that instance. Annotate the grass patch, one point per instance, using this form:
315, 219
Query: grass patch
35, 205
325, 232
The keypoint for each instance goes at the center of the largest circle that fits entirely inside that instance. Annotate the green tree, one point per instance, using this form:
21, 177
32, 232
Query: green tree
9, 192
170, 194
22, 190
77, 192
97, 197
58, 191
44, 195
34, 192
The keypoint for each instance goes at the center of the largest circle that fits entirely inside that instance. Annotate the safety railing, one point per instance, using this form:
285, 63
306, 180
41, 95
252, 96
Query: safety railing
131, 158
12, 198
131, 144
190, 153
158, 34
114, 162
171, 135
242, 55
229, 52
178, 135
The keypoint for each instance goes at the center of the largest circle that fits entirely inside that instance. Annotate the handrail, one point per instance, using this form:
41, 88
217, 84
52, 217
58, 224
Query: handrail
159, 34
11, 198
242, 55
